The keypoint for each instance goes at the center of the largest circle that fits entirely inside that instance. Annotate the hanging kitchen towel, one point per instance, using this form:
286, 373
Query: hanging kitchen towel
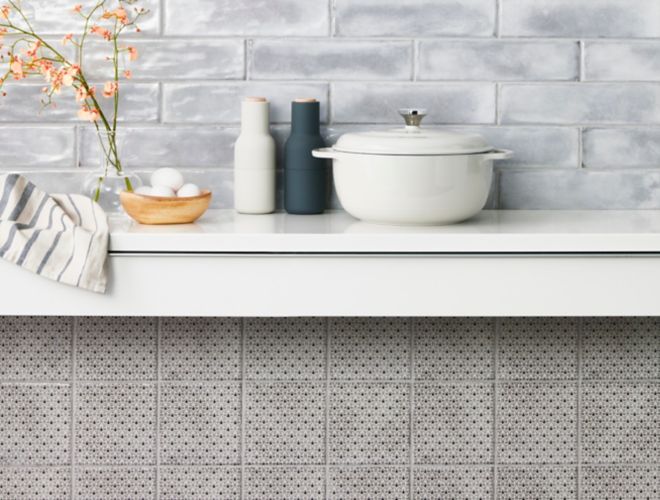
63, 237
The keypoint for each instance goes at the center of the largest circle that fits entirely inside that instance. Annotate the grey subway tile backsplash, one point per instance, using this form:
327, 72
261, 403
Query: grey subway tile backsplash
622, 61
621, 147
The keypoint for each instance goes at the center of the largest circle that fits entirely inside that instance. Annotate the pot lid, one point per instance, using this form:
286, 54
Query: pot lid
412, 140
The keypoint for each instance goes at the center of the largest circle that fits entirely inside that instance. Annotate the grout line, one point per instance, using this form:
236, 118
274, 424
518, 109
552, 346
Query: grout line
243, 406
411, 408
247, 59
498, 18
332, 12
415, 60
159, 400
72, 424
582, 61
495, 374
161, 19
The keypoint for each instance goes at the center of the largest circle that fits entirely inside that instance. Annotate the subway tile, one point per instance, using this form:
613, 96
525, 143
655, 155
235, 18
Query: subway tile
197, 483
369, 348
116, 348
621, 147
367, 483
537, 348
115, 424
284, 483
23, 103
200, 423
221, 102
622, 61
540, 483
446, 102
167, 59
57, 16
35, 483
331, 59
36, 421
579, 189
453, 348
115, 483
35, 348
536, 423
501, 60
25, 146
587, 103
285, 348
453, 423
620, 422
467, 483
621, 348
620, 483
369, 423
155, 147
422, 18
247, 18
284, 423
581, 18
200, 348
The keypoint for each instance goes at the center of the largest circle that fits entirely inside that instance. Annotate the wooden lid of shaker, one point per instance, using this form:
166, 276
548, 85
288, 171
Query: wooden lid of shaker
305, 99
255, 99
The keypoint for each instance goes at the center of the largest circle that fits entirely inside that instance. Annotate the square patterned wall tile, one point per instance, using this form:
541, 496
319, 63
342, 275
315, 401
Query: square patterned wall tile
369, 423
200, 423
35, 483
115, 483
620, 422
369, 348
454, 348
281, 483
200, 348
621, 348
539, 483
368, 483
116, 348
35, 348
536, 423
197, 483
453, 423
285, 348
34, 424
465, 483
115, 424
620, 483
285, 423
537, 348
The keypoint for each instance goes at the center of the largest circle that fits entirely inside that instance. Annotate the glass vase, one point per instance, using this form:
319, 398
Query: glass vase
106, 183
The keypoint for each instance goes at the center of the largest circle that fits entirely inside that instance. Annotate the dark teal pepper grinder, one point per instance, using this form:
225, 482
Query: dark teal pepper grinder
305, 177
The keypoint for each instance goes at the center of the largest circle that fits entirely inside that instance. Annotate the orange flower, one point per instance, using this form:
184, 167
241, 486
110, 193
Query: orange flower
82, 94
16, 68
4, 11
77, 8
103, 32
132, 53
128, 74
110, 89
89, 114
34, 48
69, 74
67, 38
119, 13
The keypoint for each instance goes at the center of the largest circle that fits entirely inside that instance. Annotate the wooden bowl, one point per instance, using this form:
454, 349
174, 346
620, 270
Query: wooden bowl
162, 210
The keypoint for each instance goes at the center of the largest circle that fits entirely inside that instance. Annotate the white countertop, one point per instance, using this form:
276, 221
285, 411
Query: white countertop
496, 231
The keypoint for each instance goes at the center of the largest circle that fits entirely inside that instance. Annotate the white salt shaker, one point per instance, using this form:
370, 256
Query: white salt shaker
254, 160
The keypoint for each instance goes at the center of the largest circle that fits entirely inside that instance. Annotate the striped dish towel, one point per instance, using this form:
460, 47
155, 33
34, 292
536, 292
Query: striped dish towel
62, 237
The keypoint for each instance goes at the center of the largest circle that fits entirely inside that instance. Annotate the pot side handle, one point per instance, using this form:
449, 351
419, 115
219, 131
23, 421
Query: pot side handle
498, 154
325, 153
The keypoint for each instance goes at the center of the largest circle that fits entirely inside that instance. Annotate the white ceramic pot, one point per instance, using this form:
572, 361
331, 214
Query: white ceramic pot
412, 176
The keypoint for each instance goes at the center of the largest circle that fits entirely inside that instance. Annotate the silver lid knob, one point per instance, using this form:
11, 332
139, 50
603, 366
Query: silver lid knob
413, 116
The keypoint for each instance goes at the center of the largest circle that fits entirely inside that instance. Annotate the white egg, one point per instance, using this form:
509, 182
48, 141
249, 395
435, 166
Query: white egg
145, 190
167, 177
188, 190
163, 191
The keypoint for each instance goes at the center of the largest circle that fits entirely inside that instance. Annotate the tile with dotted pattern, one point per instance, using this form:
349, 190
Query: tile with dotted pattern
200, 483
200, 423
367, 483
115, 483
200, 348
284, 483
35, 483
539, 483
620, 483
464, 483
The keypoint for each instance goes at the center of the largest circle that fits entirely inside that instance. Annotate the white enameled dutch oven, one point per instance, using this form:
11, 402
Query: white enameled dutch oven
412, 176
